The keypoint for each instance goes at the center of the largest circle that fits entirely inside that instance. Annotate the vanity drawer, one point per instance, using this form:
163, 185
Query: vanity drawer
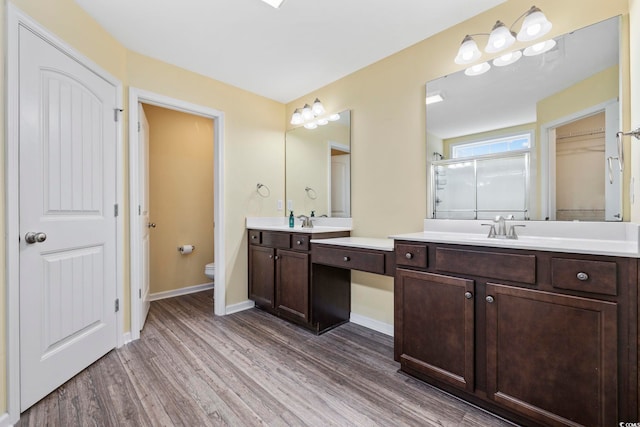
411, 255
582, 275
349, 258
300, 241
495, 265
276, 239
255, 237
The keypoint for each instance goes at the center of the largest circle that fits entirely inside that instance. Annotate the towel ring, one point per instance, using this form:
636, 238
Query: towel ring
263, 193
311, 193
619, 135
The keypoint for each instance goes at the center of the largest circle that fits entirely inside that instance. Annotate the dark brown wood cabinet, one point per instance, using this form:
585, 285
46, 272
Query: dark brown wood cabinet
262, 275
540, 338
280, 279
552, 357
292, 277
437, 326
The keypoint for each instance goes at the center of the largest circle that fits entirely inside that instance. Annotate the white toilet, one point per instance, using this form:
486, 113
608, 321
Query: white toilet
210, 271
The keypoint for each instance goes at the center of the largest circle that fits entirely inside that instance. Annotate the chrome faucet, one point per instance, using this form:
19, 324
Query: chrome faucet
306, 221
501, 231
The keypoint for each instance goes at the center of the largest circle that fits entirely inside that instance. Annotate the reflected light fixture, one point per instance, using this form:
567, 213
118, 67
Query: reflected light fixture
507, 58
274, 3
534, 25
476, 70
540, 48
312, 116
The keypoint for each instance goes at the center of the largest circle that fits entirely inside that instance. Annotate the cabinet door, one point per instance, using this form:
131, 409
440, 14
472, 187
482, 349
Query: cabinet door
292, 284
435, 326
261, 275
552, 357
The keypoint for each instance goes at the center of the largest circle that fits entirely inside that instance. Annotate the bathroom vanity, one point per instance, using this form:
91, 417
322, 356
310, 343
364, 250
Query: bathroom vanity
280, 276
539, 334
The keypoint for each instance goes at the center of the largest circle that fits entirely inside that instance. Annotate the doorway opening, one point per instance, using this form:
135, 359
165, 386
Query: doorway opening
139, 269
584, 166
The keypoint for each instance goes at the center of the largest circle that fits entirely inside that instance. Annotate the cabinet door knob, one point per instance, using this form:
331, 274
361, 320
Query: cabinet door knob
346, 259
254, 237
489, 299
468, 295
408, 255
276, 256
270, 256
299, 242
582, 276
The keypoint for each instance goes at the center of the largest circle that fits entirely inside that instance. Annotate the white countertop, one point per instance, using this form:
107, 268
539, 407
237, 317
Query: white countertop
358, 242
597, 238
320, 225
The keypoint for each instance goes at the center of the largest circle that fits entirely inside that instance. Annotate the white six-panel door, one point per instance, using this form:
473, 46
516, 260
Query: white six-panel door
67, 168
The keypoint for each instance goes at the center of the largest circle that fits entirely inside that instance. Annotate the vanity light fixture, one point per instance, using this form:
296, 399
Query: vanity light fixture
534, 26
274, 3
312, 116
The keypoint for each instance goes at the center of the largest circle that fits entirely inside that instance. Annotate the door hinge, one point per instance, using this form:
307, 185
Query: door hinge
115, 113
139, 210
117, 305
138, 126
115, 210
140, 293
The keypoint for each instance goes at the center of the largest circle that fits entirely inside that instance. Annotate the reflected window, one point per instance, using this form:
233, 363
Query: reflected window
491, 146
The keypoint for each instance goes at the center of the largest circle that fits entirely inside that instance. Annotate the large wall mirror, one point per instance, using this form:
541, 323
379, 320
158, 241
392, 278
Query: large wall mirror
535, 139
318, 169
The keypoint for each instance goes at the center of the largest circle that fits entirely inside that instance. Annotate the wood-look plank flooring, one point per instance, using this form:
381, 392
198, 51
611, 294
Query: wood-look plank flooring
190, 368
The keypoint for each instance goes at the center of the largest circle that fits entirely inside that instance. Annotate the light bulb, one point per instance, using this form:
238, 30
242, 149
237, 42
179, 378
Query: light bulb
535, 25
307, 114
296, 118
318, 108
310, 125
468, 51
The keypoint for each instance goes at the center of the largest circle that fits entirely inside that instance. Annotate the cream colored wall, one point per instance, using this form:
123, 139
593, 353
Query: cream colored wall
180, 197
388, 129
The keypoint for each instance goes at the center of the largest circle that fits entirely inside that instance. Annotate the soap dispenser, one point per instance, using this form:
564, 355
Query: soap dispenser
291, 219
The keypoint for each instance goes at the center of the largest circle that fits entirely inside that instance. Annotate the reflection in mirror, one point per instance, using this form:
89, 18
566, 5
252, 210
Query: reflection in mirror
535, 139
318, 169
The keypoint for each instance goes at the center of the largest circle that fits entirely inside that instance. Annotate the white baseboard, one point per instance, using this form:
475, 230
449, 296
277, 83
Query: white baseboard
241, 306
370, 323
126, 338
182, 291
5, 420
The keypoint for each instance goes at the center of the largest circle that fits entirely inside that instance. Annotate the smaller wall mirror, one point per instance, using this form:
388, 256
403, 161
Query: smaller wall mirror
318, 169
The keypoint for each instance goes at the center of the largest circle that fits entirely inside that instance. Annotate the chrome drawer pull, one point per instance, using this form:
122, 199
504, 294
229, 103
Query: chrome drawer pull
408, 255
299, 242
489, 299
582, 276
468, 295
346, 259
254, 237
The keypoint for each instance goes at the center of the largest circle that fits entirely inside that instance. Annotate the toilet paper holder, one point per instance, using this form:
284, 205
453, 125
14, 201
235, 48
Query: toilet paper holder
186, 249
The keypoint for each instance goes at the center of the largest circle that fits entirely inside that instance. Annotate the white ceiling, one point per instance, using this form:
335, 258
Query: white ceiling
283, 53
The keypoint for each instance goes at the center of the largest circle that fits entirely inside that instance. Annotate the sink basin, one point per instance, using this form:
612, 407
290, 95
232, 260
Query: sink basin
601, 238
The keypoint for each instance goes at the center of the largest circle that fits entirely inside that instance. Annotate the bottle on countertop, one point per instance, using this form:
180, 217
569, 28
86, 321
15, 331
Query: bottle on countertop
291, 219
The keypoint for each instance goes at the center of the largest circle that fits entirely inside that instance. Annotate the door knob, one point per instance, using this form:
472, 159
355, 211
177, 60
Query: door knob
151, 225
33, 237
